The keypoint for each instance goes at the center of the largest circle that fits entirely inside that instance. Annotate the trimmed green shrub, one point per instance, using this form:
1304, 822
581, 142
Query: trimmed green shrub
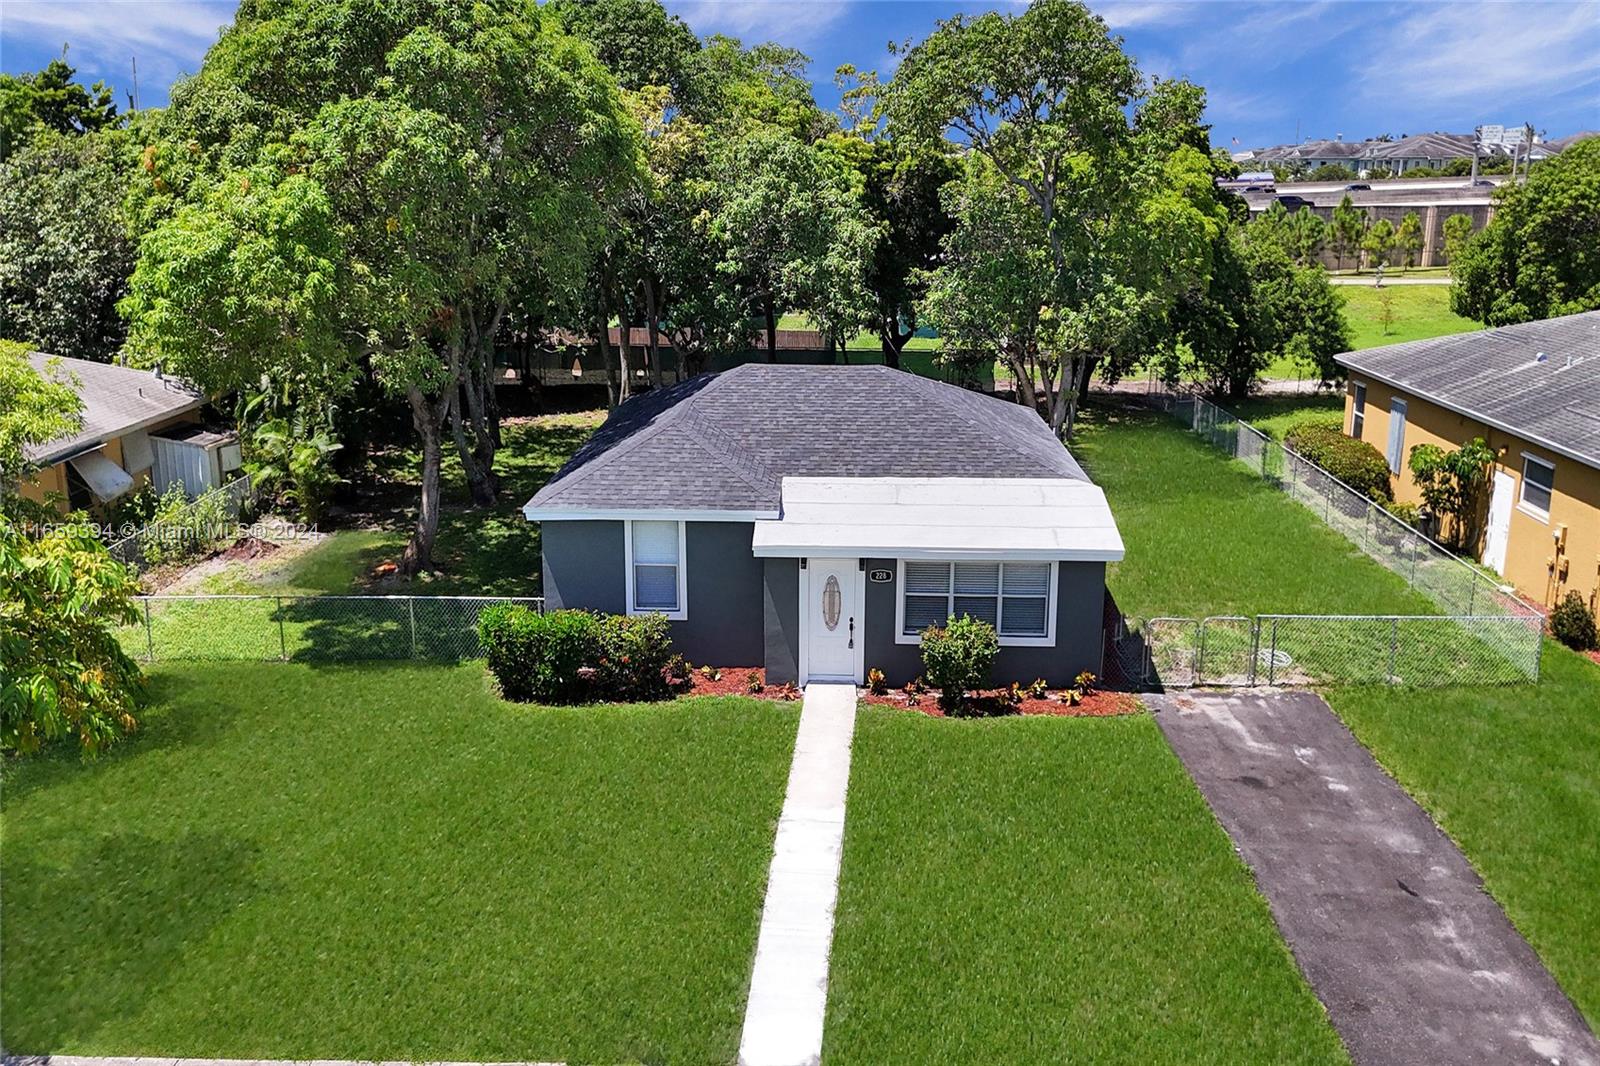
1572, 623
1407, 513
1354, 462
634, 654
543, 657
958, 657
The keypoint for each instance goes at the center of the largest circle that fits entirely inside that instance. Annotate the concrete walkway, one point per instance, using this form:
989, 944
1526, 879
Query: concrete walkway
1415, 962
789, 985
1388, 280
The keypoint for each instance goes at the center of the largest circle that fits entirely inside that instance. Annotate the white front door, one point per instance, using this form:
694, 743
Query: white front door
830, 621
1499, 532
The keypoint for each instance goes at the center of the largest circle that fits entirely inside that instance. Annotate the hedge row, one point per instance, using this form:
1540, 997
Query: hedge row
576, 656
1355, 462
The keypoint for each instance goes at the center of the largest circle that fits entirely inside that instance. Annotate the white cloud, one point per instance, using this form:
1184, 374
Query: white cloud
1131, 14
1485, 52
795, 23
168, 36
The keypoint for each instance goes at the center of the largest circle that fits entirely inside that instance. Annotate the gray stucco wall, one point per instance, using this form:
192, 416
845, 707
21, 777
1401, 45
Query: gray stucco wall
585, 563
744, 611
1080, 602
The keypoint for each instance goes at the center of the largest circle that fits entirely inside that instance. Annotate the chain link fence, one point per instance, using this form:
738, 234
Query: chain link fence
208, 521
1304, 650
1485, 631
309, 628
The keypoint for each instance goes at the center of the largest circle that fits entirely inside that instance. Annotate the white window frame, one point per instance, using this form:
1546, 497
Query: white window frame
1542, 514
1397, 444
1046, 641
682, 612
1358, 409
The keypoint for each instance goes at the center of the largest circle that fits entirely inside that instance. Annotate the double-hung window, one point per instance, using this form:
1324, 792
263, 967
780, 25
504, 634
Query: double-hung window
1538, 486
655, 569
1397, 435
1358, 410
1017, 598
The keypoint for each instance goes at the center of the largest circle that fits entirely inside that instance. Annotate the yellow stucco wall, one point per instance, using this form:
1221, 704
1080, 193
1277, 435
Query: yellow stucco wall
53, 479
1540, 570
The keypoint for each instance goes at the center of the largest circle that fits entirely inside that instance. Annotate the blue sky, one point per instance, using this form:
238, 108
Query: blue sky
1270, 67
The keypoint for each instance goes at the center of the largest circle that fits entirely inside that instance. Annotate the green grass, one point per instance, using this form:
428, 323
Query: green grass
1206, 536
1419, 311
1049, 890
390, 863
1513, 775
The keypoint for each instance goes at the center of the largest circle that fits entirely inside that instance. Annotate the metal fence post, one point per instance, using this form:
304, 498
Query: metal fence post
149, 634
411, 613
283, 643
1394, 640
1200, 651
1272, 657
1255, 648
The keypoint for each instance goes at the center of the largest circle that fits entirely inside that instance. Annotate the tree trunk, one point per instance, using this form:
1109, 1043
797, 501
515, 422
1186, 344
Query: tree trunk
428, 417
603, 348
625, 352
772, 331
478, 481
652, 319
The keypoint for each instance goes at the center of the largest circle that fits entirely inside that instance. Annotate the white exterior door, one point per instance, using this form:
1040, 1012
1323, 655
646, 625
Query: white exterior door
830, 621
1499, 532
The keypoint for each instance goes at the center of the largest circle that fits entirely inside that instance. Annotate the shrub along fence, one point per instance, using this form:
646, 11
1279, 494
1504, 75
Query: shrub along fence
1485, 633
309, 628
210, 519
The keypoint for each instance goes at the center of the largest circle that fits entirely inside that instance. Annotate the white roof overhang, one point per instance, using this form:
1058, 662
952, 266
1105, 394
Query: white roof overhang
106, 480
941, 518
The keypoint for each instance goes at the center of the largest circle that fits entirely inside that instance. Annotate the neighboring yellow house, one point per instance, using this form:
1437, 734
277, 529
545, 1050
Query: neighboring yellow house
125, 414
1532, 392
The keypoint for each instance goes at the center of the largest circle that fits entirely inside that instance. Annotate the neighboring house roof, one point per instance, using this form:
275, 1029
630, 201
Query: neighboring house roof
1330, 149
116, 400
1561, 144
725, 442
1423, 146
1539, 381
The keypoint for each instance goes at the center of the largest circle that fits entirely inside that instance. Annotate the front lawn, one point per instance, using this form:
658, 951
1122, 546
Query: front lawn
1206, 536
387, 862
1513, 775
1050, 890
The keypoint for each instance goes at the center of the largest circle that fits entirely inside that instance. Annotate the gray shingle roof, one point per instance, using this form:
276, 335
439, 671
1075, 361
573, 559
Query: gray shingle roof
1539, 381
726, 441
116, 400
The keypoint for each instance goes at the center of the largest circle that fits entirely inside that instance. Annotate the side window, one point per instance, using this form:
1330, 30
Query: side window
1358, 411
655, 569
1397, 435
1538, 486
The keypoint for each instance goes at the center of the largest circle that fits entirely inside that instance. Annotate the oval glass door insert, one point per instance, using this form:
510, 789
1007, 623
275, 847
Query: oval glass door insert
832, 601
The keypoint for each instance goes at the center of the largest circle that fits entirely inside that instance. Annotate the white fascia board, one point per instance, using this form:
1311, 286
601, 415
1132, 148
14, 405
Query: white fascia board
882, 551
623, 514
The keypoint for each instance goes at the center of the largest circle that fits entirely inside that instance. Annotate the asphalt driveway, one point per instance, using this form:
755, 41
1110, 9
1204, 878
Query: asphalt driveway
1414, 961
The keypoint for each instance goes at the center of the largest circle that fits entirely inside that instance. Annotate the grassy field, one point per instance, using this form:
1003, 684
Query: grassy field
1050, 890
1205, 536
390, 863
1513, 775
1419, 311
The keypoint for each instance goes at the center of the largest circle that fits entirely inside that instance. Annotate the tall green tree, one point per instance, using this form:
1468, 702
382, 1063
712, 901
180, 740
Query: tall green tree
446, 168
34, 408
1539, 256
1457, 231
1344, 231
50, 99
65, 249
1408, 238
1378, 241
1116, 172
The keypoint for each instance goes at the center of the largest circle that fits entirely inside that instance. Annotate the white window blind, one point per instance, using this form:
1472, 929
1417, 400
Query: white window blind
655, 565
1538, 484
1012, 597
1397, 434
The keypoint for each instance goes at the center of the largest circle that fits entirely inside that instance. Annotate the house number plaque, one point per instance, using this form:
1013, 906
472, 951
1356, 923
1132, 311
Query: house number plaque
880, 576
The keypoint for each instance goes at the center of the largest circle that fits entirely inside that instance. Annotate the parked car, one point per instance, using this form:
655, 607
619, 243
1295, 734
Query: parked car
1481, 183
1259, 188
1358, 186
1293, 203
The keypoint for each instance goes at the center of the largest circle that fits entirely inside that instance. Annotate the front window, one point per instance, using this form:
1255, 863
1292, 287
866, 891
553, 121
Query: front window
1014, 597
1397, 435
1538, 486
655, 568
1358, 411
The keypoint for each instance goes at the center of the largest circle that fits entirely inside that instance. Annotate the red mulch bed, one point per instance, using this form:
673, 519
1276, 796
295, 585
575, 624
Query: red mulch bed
1097, 704
1594, 656
735, 681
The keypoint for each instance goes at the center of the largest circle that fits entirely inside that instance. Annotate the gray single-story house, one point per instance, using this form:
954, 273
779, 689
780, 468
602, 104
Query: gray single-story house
814, 519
